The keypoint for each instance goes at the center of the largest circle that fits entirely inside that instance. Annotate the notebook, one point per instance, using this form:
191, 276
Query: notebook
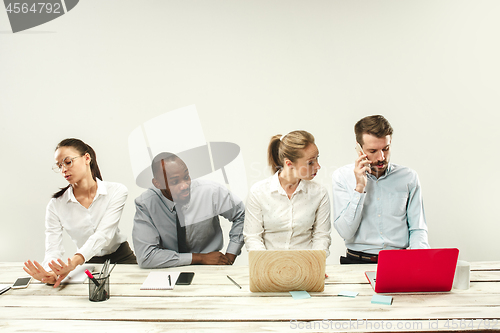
159, 281
417, 270
287, 270
78, 274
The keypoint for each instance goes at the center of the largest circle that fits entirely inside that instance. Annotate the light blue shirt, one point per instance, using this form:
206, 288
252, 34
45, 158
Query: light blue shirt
155, 228
389, 215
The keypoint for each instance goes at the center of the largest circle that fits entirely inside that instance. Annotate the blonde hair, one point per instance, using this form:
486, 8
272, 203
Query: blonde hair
289, 146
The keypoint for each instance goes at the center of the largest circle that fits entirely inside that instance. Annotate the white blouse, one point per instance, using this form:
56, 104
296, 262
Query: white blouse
94, 230
275, 222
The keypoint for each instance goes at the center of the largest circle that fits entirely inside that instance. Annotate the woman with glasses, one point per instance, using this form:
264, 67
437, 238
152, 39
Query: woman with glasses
89, 209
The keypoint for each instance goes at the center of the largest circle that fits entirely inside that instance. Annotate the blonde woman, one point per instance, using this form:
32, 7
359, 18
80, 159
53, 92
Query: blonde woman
288, 210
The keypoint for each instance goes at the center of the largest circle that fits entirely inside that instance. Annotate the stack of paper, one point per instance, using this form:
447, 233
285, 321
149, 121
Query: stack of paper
78, 274
160, 281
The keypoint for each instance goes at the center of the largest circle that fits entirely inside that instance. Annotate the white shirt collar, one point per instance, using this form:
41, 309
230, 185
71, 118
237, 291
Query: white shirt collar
101, 190
275, 185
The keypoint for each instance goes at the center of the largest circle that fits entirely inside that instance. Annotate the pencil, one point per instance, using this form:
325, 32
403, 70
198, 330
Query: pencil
237, 285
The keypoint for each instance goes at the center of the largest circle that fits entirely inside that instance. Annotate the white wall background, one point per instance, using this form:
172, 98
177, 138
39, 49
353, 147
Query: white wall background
254, 69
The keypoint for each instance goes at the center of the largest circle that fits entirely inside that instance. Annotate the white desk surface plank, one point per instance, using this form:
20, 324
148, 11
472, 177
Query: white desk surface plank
242, 310
41, 326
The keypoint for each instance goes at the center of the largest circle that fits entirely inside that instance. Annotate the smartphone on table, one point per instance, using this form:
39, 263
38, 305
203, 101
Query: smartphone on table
22, 282
185, 278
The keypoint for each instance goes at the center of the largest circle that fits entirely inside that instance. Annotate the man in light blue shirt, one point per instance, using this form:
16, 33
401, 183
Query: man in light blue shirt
377, 204
177, 221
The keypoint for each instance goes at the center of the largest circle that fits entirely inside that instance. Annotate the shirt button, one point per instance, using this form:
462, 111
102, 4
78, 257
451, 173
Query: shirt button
378, 215
381, 233
378, 198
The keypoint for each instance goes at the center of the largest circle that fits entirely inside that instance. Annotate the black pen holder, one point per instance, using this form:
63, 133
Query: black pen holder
99, 289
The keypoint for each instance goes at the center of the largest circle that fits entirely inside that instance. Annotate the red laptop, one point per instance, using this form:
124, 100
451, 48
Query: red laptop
418, 270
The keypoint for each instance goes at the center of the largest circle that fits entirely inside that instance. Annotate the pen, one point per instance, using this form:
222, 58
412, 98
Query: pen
104, 269
169, 281
237, 285
92, 277
112, 269
100, 273
6, 289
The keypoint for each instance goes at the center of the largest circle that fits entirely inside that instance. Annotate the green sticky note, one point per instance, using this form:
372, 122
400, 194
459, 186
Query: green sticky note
300, 294
379, 299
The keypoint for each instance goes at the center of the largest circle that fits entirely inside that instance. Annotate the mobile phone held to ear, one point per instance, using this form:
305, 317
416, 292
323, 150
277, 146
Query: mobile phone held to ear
22, 282
185, 278
360, 150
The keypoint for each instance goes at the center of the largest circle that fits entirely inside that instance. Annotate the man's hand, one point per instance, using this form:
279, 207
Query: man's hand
212, 258
39, 273
231, 257
361, 167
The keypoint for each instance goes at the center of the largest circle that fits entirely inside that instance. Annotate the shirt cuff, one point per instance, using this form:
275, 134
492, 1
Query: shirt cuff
85, 253
185, 259
358, 198
234, 248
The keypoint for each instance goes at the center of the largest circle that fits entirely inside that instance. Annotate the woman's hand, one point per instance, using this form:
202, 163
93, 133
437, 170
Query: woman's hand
61, 269
36, 270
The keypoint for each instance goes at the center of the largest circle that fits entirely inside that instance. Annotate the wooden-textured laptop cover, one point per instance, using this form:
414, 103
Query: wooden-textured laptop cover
287, 270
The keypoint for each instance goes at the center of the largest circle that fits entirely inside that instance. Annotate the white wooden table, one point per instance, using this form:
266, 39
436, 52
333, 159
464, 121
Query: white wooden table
214, 304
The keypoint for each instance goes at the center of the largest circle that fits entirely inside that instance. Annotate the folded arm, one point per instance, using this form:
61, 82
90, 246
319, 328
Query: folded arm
253, 229
417, 224
347, 207
321, 238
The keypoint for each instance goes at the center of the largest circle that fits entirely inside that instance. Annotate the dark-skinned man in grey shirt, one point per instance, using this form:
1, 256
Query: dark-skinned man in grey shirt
177, 221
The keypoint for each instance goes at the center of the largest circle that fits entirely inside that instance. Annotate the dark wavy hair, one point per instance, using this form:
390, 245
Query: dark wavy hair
82, 148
